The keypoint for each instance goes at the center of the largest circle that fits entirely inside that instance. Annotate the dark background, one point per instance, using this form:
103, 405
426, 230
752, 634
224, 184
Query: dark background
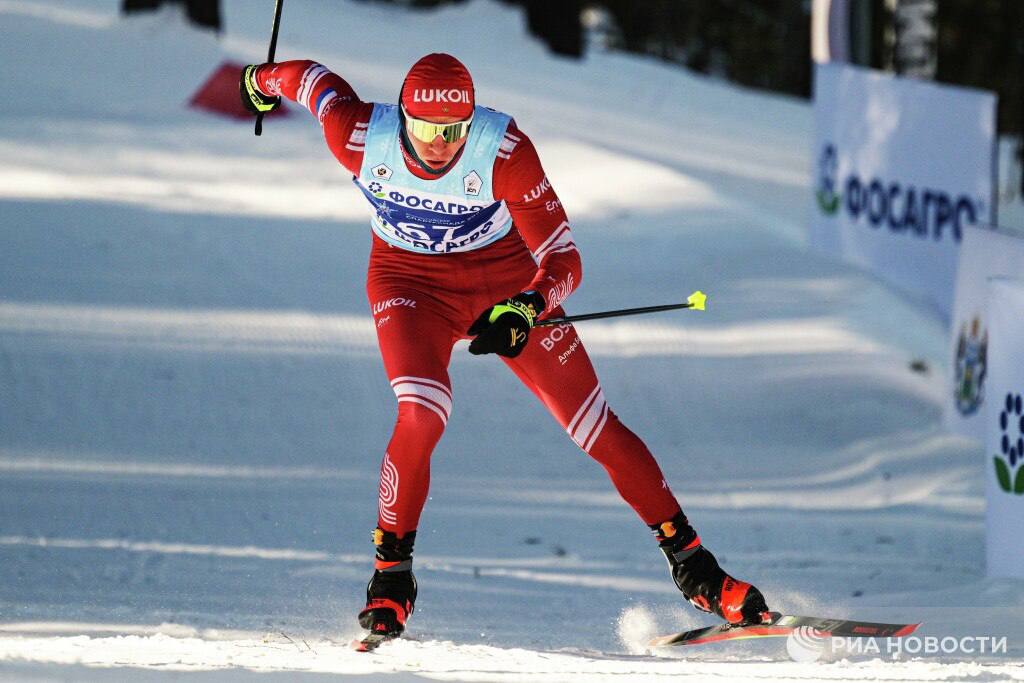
762, 44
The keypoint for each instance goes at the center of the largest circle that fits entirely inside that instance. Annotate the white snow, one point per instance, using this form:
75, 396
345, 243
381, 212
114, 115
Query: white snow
192, 408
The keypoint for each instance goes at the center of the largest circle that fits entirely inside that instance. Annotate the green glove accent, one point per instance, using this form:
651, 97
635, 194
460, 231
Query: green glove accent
520, 308
252, 99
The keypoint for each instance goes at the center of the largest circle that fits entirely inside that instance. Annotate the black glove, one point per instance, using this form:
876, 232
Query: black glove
504, 327
252, 99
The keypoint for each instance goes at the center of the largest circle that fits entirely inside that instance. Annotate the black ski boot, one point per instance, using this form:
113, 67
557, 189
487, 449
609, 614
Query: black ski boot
391, 593
696, 573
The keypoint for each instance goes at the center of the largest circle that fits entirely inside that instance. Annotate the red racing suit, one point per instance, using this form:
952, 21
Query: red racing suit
423, 303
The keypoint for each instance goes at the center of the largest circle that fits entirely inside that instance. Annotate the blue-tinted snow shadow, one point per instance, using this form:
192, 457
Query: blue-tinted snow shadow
106, 254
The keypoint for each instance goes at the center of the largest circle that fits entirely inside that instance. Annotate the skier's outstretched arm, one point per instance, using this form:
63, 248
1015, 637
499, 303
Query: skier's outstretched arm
328, 97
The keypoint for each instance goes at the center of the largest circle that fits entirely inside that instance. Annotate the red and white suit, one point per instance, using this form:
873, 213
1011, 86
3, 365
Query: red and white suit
423, 303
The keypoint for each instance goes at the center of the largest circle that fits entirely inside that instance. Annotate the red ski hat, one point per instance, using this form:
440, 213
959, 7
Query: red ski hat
438, 85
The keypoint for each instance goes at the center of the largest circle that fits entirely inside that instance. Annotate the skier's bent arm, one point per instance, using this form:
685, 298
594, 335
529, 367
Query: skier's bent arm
539, 217
328, 97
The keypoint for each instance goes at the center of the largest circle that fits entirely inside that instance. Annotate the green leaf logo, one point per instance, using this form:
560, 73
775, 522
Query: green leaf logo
828, 201
1003, 474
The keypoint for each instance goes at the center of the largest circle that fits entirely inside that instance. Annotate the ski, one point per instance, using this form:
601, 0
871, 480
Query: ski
783, 625
371, 642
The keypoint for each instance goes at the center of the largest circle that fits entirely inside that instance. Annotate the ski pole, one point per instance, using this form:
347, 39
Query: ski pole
270, 54
695, 301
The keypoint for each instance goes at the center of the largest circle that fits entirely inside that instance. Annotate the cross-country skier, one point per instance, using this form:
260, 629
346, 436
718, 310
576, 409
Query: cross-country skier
471, 241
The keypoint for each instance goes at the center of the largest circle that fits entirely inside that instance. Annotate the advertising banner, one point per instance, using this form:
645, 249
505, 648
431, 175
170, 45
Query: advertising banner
903, 166
984, 253
1004, 430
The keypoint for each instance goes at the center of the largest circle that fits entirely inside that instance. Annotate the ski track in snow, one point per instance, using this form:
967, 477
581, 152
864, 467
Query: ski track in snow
279, 652
192, 409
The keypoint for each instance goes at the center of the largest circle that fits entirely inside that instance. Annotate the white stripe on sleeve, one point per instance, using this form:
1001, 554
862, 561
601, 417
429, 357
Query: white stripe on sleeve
312, 74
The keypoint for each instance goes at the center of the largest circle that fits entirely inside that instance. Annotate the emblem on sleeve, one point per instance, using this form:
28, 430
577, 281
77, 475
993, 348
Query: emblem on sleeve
381, 171
472, 183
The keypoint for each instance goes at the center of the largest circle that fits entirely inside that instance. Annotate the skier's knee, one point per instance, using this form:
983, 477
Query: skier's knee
422, 402
596, 426
420, 421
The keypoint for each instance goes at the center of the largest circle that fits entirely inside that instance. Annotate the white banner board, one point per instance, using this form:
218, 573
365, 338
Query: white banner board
1004, 430
984, 253
902, 167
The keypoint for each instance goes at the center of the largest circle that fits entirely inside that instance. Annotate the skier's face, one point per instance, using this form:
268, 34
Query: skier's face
437, 152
